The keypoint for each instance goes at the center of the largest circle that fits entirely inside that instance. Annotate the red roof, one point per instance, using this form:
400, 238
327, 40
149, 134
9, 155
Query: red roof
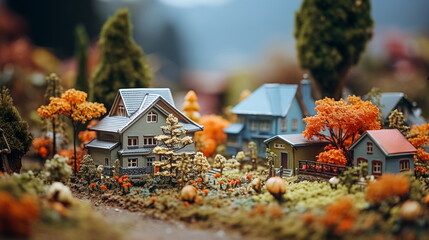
391, 141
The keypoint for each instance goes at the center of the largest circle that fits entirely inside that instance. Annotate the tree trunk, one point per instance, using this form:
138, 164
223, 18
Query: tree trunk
54, 137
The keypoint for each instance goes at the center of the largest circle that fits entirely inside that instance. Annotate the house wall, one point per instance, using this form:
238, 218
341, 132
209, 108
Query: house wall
393, 163
100, 155
360, 151
295, 154
141, 127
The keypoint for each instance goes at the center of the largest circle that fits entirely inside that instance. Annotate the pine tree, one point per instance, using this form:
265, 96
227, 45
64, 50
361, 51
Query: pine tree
81, 54
55, 124
396, 120
200, 164
330, 38
122, 62
191, 106
15, 131
88, 171
219, 162
173, 139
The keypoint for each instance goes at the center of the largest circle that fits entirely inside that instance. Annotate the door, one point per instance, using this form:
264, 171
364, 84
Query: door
284, 157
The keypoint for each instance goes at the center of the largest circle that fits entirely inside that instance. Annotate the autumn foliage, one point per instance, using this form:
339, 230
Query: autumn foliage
17, 215
340, 216
342, 122
213, 134
332, 156
73, 105
386, 186
43, 146
419, 137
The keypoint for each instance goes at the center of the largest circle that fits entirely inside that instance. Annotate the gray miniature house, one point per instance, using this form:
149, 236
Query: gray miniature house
128, 132
397, 100
272, 109
385, 150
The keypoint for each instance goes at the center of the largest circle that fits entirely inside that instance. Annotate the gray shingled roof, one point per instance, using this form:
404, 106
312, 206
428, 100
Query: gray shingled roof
136, 108
133, 97
234, 128
295, 140
389, 101
135, 151
95, 143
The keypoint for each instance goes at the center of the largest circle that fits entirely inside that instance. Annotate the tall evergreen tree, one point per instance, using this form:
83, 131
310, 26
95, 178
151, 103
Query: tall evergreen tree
81, 54
15, 130
122, 62
55, 124
330, 38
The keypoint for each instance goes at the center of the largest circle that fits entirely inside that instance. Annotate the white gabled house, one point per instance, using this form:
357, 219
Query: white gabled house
127, 132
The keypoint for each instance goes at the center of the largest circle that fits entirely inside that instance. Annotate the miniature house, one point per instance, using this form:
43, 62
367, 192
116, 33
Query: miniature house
292, 148
272, 109
397, 100
128, 132
385, 150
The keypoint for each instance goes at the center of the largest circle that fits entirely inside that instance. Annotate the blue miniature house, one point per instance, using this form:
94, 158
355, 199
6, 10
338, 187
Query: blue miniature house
385, 151
272, 109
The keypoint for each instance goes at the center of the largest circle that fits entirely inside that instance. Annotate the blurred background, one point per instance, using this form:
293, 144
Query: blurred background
215, 47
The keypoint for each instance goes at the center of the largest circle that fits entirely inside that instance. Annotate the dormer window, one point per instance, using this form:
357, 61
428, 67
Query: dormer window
152, 117
369, 147
121, 110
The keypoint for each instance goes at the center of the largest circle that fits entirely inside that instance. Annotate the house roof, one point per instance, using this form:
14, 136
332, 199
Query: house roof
269, 99
138, 104
135, 98
95, 143
295, 140
389, 101
390, 141
234, 128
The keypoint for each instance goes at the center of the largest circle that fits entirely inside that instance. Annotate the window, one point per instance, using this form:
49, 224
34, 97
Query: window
369, 147
121, 110
133, 141
106, 162
294, 124
361, 161
149, 141
284, 125
279, 145
253, 125
152, 117
232, 140
404, 165
149, 161
376, 167
264, 126
132, 162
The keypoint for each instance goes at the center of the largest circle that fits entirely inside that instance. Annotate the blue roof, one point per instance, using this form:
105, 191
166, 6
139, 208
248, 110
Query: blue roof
234, 128
269, 99
389, 101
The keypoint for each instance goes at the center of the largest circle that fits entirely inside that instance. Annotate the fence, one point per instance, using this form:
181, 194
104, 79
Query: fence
324, 170
135, 171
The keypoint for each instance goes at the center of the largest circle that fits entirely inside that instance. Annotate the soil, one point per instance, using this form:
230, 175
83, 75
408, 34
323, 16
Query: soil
138, 225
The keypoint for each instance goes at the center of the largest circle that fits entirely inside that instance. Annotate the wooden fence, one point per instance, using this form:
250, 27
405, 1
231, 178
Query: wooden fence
324, 170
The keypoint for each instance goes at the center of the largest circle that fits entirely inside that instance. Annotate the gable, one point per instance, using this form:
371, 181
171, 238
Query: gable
118, 108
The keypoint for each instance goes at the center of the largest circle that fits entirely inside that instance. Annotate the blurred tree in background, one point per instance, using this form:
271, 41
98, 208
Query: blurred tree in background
122, 62
330, 38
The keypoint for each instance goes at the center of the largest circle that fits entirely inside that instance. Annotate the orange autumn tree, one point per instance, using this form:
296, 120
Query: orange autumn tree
212, 135
341, 122
419, 137
74, 106
191, 106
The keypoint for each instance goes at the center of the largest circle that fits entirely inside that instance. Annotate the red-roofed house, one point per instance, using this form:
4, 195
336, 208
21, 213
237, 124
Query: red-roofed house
385, 150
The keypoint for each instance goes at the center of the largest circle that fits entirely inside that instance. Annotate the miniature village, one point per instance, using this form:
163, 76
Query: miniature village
281, 163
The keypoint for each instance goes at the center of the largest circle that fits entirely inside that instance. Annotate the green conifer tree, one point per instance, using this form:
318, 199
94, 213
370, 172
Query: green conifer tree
330, 38
81, 54
122, 62
55, 124
15, 130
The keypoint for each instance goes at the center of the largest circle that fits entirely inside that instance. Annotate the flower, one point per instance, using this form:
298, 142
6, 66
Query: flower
199, 179
340, 215
221, 182
103, 188
92, 185
249, 176
217, 175
206, 192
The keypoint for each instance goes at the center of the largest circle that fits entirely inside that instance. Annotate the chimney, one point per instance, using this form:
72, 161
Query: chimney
306, 88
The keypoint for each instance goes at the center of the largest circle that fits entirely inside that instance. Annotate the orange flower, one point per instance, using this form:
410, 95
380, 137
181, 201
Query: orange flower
249, 176
103, 188
206, 192
217, 175
221, 182
426, 199
153, 200
237, 181
93, 185
340, 215
199, 180
192, 181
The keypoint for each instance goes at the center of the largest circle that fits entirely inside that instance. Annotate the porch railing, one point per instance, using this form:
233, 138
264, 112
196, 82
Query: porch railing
324, 170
